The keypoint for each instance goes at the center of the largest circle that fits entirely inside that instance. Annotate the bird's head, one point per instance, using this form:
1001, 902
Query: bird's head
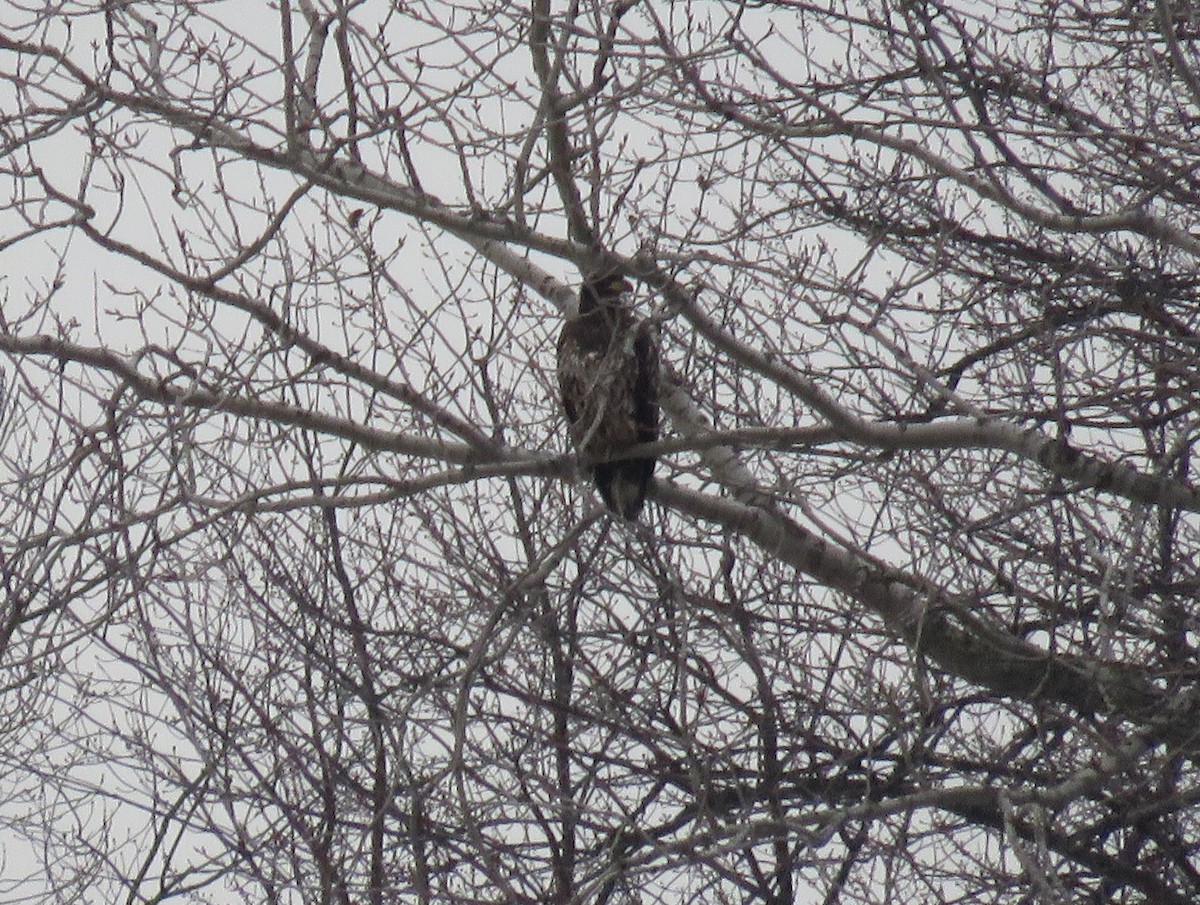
613, 285
608, 290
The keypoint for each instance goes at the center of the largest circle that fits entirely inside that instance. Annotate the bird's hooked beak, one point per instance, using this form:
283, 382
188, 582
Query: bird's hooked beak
616, 285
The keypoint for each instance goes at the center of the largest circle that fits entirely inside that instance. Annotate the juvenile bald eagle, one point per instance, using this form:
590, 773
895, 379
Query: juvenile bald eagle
608, 378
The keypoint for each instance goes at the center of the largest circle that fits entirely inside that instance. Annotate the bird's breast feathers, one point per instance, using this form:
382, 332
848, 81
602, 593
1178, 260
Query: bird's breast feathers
598, 387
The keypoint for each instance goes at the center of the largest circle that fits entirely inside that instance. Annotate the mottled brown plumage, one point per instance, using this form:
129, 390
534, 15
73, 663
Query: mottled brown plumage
608, 378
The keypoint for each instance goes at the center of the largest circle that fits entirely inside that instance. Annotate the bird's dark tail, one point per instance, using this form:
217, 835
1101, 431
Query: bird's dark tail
623, 485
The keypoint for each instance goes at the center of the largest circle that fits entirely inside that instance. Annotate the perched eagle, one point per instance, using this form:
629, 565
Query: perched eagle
608, 378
